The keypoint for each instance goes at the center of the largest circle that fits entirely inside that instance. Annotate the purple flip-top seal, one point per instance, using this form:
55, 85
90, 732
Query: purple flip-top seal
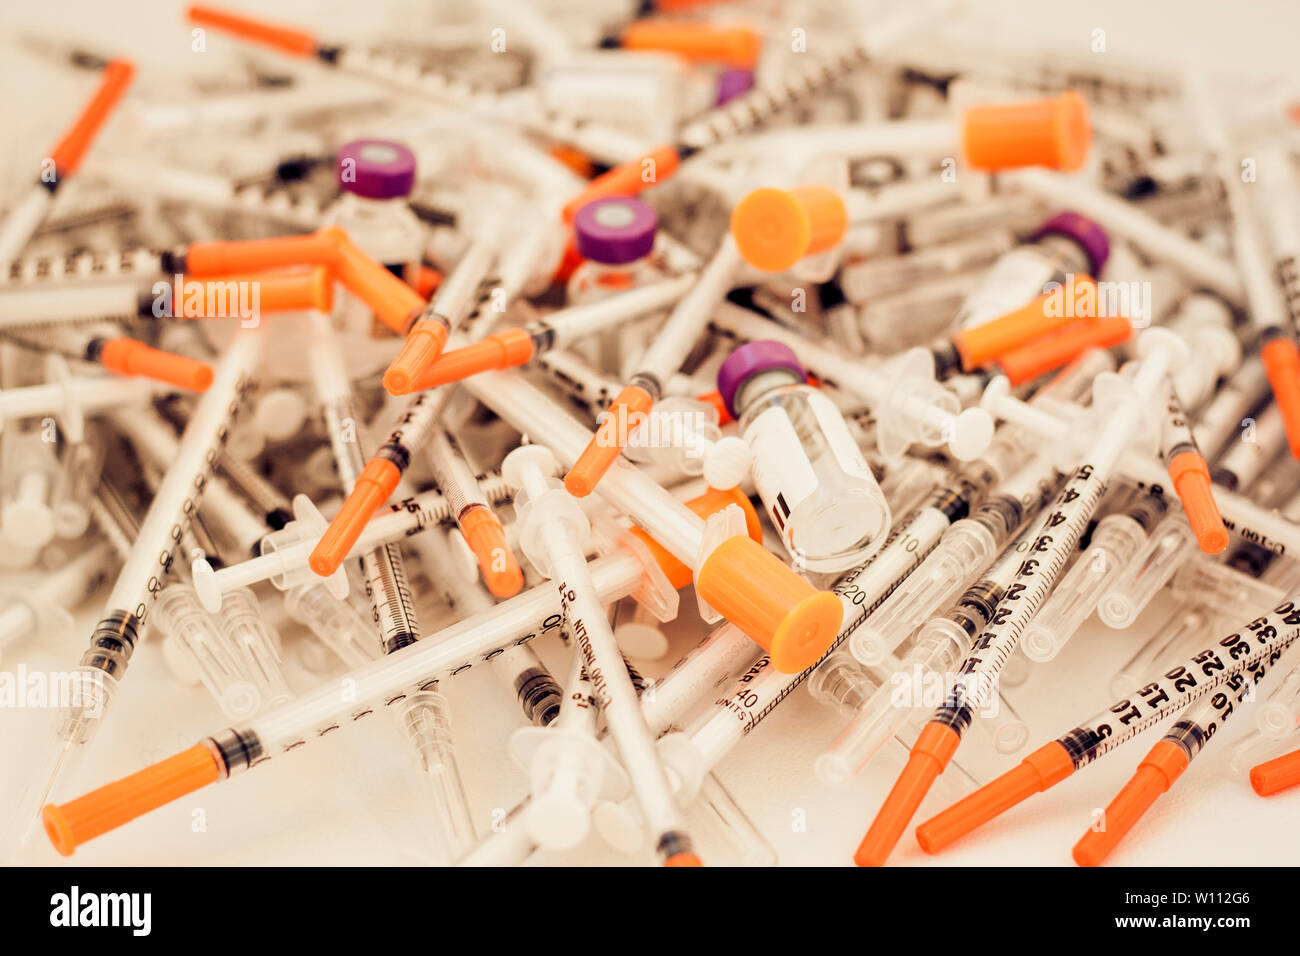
1090, 237
615, 230
749, 360
376, 169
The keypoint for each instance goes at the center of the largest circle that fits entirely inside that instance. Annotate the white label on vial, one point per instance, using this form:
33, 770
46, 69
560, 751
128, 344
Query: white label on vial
838, 437
1016, 280
782, 472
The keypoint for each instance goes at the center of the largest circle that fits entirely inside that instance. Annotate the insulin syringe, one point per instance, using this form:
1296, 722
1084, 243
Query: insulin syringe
1254, 646
63, 160
1058, 535
141, 578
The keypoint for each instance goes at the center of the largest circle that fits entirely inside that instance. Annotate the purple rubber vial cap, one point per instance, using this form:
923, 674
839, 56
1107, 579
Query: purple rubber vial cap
376, 169
731, 84
749, 360
615, 230
1090, 237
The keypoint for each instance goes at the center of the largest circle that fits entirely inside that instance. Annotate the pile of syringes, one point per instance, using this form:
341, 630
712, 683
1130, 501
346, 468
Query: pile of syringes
543, 393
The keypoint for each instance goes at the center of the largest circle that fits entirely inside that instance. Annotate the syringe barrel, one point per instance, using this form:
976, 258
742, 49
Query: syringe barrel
336, 622
1114, 544
964, 551
903, 697
426, 718
1170, 544
1279, 716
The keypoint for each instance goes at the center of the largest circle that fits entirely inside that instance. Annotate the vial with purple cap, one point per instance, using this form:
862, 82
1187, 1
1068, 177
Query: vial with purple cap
817, 489
616, 237
377, 177
1066, 245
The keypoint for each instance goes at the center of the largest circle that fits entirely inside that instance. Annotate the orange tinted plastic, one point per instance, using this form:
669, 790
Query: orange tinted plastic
285, 39
775, 228
622, 418
67, 155
1059, 349
487, 539
683, 859
1053, 132
695, 41
629, 179
375, 485
1154, 775
506, 349
124, 356
73, 823
714, 398
393, 301
427, 281
1045, 767
934, 747
1191, 478
982, 344
1282, 365
421, 349
780, 611
1276, 775
256, 255
574, 159
679, 575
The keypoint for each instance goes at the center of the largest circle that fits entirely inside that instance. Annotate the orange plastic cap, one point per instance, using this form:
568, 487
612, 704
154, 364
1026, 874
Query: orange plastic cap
1191, 477
1282, 366
220, 258
124, 356
934, 747
775, 228
780, 611
1059, 349
285, 39
422, 348
696, 41
1154, 775
376, 484
1045, 767
1278, 774
393, 301
427, 281
683, 859
73, 823
1047, 314
507, 349
67, 155
629, 179
487, 539
679, 574
1053, 132
623, 417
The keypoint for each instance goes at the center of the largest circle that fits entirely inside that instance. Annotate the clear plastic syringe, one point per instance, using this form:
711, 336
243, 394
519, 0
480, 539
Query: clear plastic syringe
1166, 762
938, 648
1114, 545
383, 568
735, 576
475, 639
45, 608
552, 529
63, 160
140, 580
454, 300
1058, 536
1244, 653
477, 521
558, 330
963, 553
